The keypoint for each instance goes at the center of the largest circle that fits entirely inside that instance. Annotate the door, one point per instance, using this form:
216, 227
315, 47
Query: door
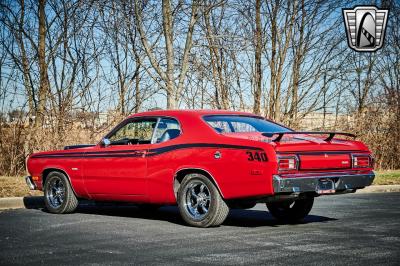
120, 168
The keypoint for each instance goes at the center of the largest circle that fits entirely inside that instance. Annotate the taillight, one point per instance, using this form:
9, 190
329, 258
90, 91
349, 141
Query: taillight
362, 161
287, 163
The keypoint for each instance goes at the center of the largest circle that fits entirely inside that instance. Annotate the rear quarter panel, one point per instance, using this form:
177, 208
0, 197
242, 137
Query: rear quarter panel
234, 174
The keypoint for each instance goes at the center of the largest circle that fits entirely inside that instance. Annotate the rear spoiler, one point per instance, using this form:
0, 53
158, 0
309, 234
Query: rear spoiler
329, 138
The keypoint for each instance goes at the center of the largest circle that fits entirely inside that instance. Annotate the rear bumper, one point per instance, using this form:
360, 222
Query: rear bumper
343, 182
30, 183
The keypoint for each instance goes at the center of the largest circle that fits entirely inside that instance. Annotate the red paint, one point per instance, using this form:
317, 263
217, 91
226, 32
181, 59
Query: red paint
147, 178
325, 161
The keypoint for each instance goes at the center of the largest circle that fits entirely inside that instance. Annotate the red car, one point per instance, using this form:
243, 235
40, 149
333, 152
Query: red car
206, 162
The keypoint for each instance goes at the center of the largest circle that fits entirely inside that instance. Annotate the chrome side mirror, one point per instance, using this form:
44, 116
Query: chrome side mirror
105, 142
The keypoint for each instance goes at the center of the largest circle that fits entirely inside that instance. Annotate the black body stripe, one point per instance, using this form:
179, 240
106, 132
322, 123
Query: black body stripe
139, 153
93, 152
158, 151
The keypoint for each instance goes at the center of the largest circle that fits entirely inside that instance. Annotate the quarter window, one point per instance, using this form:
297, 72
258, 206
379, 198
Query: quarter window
167, 129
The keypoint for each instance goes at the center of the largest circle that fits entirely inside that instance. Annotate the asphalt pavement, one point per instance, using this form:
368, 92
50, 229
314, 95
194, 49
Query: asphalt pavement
353, 229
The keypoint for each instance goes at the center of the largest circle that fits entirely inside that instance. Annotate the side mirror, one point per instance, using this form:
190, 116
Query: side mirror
105, 142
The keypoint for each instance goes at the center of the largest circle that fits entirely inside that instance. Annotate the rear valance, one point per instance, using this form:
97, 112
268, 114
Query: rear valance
329, 138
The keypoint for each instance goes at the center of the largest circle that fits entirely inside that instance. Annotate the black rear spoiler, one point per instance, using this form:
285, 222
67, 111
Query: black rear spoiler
329, 138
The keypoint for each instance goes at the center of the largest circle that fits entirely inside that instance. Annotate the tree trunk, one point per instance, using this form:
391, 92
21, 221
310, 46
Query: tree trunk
186, 52
258, 70
298, 59
167, 26
44, 85
137, 84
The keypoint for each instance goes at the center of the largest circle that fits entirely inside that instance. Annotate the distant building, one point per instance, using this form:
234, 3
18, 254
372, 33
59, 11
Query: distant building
320, 121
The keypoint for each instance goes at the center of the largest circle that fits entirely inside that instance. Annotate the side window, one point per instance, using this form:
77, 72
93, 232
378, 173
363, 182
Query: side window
220, 126
167, 129
134, 132
243, 127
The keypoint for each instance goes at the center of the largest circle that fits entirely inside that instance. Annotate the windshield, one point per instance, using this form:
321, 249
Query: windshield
237, 123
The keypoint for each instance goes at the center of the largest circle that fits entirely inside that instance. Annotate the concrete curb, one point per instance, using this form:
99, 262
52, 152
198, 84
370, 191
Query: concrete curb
31, 202
12, 203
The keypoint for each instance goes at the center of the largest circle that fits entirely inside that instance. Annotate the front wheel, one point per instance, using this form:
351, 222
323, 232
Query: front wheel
59, 196
291, 211
200, 203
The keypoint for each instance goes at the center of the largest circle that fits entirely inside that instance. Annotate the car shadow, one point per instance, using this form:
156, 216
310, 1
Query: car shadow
236, 217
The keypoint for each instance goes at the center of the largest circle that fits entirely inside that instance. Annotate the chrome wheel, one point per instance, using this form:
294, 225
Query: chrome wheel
55, 192
197, 200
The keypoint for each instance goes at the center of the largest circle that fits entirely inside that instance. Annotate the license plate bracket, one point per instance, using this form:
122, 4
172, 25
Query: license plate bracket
326, 186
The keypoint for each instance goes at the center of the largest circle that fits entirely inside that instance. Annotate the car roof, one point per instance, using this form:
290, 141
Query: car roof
190, 112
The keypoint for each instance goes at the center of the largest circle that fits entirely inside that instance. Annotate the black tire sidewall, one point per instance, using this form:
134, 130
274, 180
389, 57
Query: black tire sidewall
207, 220
68, 192
298, 212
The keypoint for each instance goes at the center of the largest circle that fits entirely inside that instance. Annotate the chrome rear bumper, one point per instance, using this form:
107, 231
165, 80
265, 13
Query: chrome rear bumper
341, 182
30, 183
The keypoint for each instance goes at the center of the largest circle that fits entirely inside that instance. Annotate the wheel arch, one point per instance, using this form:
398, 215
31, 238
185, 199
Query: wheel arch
48, 170
181, 173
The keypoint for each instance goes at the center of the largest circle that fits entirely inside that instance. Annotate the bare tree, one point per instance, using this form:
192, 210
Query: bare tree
167, 75
281, 32
258, 70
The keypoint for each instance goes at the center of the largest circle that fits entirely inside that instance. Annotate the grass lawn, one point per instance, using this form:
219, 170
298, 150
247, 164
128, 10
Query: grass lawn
11, 186
387, 177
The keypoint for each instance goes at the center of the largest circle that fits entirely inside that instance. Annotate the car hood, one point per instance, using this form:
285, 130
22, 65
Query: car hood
69, 149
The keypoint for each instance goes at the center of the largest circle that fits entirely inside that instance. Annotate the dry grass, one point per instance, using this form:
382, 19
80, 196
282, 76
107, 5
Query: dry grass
11, 186
387, 177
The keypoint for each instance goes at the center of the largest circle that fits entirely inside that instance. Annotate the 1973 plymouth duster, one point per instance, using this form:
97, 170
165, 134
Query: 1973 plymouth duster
206, 162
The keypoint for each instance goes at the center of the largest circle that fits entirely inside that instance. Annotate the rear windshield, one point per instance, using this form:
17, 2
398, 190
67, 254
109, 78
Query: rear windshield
236, 123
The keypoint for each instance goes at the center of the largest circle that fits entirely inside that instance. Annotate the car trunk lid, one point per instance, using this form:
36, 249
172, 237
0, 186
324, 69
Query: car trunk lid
324, 160
312, 152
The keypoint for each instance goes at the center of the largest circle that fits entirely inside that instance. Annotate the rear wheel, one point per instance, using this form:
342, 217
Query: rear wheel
200, 202
59, 196
291, 211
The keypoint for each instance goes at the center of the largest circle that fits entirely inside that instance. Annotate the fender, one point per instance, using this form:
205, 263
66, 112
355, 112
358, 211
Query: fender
199, 169
74, 185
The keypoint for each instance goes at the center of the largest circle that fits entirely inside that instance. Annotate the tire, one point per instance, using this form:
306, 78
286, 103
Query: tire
291, 211
198, 190
58, 194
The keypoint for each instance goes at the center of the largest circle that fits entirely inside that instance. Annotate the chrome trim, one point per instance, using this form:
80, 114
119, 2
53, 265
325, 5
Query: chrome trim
55, 192
153, 140
105, 142
30, 183
344, 182
289, 156
353, 155
197, 200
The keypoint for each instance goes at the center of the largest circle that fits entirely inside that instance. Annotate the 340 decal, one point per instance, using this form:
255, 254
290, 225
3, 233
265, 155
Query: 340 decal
256, 156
